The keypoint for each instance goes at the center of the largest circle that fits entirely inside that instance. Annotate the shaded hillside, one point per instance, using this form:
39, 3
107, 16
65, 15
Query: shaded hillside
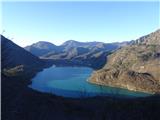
134, 67
16, 59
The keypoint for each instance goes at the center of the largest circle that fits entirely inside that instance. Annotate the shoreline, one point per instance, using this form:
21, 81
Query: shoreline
104, 85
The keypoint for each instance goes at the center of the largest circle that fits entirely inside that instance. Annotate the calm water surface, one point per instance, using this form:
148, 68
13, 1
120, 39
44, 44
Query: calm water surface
72, 82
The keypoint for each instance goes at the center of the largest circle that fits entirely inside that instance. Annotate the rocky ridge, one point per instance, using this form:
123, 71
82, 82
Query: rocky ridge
135, 67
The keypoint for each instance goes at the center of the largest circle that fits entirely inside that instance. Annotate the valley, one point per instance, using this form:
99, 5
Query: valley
80, 60
123, 66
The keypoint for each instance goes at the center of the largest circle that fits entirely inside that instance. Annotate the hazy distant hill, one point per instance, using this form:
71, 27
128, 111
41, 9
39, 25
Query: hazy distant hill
134, 67
91, 54
41, 48
90, 45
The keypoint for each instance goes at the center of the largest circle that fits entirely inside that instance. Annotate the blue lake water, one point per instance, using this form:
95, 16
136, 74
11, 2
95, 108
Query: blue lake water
72, 82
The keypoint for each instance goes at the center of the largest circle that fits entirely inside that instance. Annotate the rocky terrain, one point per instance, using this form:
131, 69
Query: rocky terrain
135, 67
92, 54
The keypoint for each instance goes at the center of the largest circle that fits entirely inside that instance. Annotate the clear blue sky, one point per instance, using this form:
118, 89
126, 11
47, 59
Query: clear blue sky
56, 22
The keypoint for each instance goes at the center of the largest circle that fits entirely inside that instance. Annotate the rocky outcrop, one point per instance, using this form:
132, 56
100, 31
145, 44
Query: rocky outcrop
134, 67
150, 39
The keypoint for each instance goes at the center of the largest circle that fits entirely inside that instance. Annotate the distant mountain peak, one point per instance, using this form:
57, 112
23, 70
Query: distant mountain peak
70, 42
41, 48
43, 44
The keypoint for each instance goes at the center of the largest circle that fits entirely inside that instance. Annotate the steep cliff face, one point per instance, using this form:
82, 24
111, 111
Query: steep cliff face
134, 67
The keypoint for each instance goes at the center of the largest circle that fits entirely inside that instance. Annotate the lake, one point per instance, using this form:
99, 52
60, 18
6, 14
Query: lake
72, 82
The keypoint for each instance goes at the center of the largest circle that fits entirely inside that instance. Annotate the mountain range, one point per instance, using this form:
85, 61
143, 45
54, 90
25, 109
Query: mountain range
92, 54
133, 65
